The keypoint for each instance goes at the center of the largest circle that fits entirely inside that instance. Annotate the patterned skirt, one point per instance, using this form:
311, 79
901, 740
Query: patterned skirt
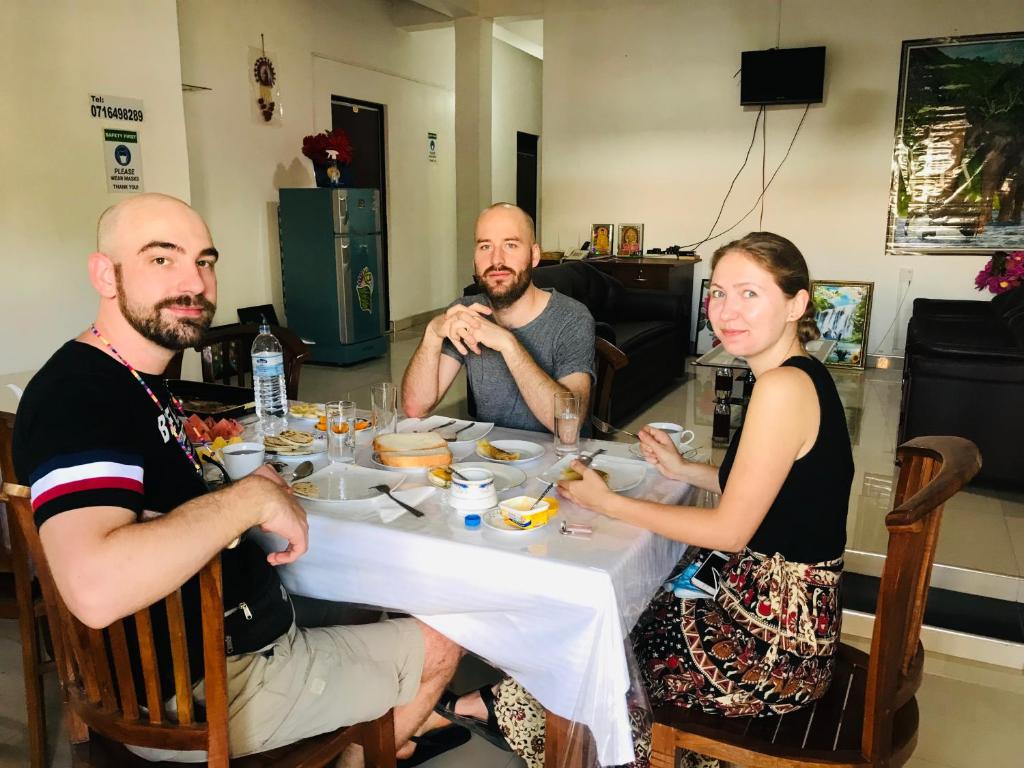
765, 645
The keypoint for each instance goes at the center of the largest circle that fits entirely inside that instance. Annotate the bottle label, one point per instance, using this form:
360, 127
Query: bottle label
267, 365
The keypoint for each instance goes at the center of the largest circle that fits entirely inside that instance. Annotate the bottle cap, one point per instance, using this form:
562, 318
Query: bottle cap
472, 521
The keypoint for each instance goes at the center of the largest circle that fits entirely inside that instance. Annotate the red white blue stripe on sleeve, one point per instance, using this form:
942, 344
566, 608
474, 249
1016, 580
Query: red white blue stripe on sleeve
89, 479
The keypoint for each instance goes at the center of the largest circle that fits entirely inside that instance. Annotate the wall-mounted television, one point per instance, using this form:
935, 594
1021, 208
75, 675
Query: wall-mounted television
783, 76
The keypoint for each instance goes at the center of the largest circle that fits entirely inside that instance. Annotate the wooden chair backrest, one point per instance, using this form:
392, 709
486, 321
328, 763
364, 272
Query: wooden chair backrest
226, 356
932, 470
609, 360
93, 664
6, 437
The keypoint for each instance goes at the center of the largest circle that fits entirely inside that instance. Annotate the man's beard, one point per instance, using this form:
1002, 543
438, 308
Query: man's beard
507, 295
177, 334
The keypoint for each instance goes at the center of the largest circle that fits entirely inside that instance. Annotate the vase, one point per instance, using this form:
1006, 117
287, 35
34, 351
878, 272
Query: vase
331, 174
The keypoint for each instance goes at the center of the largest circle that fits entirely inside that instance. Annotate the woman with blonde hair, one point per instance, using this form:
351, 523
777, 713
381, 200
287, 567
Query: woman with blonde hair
765, 644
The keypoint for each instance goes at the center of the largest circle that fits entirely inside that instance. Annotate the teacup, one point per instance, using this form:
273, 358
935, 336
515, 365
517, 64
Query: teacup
679, 436
241, 459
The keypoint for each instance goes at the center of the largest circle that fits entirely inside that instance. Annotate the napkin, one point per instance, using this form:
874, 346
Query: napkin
413, 497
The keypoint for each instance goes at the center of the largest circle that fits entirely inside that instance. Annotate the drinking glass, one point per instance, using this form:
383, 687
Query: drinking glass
567, 423
341, 431
384, 407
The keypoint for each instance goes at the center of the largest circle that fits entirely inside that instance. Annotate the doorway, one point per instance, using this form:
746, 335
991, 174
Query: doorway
526, 173
363, 121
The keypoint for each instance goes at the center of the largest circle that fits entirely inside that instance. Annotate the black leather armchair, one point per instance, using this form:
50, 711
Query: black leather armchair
651, 327
964, 375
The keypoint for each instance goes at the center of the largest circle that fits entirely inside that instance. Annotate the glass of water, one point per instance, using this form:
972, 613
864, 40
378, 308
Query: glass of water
567, 423
384, 407
341, 431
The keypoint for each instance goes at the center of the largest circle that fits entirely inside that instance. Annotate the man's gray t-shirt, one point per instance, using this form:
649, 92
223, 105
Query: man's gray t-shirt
560, 340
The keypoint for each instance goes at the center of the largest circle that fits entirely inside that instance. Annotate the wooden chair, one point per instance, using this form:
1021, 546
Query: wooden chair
869, 716
610, 360
20, 599
227, 358
102, 705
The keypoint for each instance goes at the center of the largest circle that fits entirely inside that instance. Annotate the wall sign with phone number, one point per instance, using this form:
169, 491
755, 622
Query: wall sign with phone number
115, 108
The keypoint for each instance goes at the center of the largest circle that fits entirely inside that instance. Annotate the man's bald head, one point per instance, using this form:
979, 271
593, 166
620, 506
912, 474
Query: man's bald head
117, 217
515, 209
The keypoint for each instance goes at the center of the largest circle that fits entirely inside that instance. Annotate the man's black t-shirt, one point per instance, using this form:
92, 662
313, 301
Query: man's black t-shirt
88, 434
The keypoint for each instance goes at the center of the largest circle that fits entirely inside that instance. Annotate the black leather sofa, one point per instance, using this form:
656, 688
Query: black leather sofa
964, 375
651, 327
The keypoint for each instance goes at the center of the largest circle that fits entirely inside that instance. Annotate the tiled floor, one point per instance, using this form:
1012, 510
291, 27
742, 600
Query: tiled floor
970, 712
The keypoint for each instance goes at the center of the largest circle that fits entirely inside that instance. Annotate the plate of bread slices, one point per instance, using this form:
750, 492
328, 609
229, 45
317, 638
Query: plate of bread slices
294, 442
619, 474
410, 451
509, 451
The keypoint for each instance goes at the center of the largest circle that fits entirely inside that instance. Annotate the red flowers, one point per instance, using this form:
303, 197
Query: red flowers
1003, 272
320, 146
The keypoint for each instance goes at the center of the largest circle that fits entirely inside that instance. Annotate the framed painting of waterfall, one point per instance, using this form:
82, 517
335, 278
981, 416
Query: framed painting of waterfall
842, 310
957, 182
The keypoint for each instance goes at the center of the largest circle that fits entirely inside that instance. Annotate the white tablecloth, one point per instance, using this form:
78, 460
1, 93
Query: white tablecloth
553, 611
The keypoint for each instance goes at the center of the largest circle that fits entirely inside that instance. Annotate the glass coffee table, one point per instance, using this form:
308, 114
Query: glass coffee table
726, 366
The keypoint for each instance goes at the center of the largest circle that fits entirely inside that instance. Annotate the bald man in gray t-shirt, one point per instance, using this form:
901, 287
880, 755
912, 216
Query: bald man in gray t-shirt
520, 344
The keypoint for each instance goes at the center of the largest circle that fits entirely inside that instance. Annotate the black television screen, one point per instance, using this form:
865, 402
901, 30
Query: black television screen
783, 76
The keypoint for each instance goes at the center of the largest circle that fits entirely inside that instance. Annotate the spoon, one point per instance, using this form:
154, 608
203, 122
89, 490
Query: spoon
387, 492
604, 426
455, 434
305, 469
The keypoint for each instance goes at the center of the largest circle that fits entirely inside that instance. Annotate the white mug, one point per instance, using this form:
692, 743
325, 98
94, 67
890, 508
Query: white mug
241, 459
679, 436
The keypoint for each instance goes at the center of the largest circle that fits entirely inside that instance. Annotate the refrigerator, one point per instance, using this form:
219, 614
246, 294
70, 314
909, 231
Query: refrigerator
331, 271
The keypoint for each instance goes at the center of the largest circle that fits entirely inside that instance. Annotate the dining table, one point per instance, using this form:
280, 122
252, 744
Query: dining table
554, 611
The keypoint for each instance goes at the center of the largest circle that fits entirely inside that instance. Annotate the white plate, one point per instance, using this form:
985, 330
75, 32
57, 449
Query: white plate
349, 482
689, 450
493, 520
527, 451
622, 475
470, 435
505, 477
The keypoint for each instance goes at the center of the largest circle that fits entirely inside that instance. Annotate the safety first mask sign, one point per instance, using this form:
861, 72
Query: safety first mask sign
123, 154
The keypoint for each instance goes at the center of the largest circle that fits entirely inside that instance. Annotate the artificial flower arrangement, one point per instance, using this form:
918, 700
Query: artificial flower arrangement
1003, 272
326, 146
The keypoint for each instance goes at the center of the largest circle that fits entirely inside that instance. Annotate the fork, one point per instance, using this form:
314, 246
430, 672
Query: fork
435, 429
387, 492
607, 428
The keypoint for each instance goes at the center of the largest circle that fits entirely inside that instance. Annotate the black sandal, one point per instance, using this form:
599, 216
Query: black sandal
487, 730
434, 743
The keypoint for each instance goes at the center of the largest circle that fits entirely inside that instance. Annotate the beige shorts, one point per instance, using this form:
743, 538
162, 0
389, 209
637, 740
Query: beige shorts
312, 681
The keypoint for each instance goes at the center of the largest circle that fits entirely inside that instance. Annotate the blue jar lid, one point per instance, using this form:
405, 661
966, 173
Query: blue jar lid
472, 521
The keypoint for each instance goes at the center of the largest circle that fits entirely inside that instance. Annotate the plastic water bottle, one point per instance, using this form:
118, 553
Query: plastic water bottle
268, 382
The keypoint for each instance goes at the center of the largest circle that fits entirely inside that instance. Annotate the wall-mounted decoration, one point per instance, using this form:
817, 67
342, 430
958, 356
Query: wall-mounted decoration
705, 336
265, 79
631, 240
601, 238
330, 153
842, 310
958, 170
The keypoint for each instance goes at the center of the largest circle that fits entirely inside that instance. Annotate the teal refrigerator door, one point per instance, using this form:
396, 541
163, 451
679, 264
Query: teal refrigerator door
355, 211
360, 312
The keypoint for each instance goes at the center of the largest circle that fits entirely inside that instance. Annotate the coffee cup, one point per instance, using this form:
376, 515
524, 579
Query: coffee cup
241, 459
679, 436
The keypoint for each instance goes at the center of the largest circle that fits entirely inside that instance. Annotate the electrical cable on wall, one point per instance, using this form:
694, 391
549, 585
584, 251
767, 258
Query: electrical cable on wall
728, 192
766, 187
895, 317
764, 159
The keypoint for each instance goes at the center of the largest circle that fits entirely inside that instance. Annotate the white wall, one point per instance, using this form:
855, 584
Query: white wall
515, 106
238, 163
642, 123
52, 178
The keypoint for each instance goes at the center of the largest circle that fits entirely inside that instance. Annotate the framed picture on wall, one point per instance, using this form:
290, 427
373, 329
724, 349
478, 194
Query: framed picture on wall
959, 146
842, 310
631, 240
602, 236
704, 338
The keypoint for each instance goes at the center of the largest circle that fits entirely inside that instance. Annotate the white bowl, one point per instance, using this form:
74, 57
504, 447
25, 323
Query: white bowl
241, 459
